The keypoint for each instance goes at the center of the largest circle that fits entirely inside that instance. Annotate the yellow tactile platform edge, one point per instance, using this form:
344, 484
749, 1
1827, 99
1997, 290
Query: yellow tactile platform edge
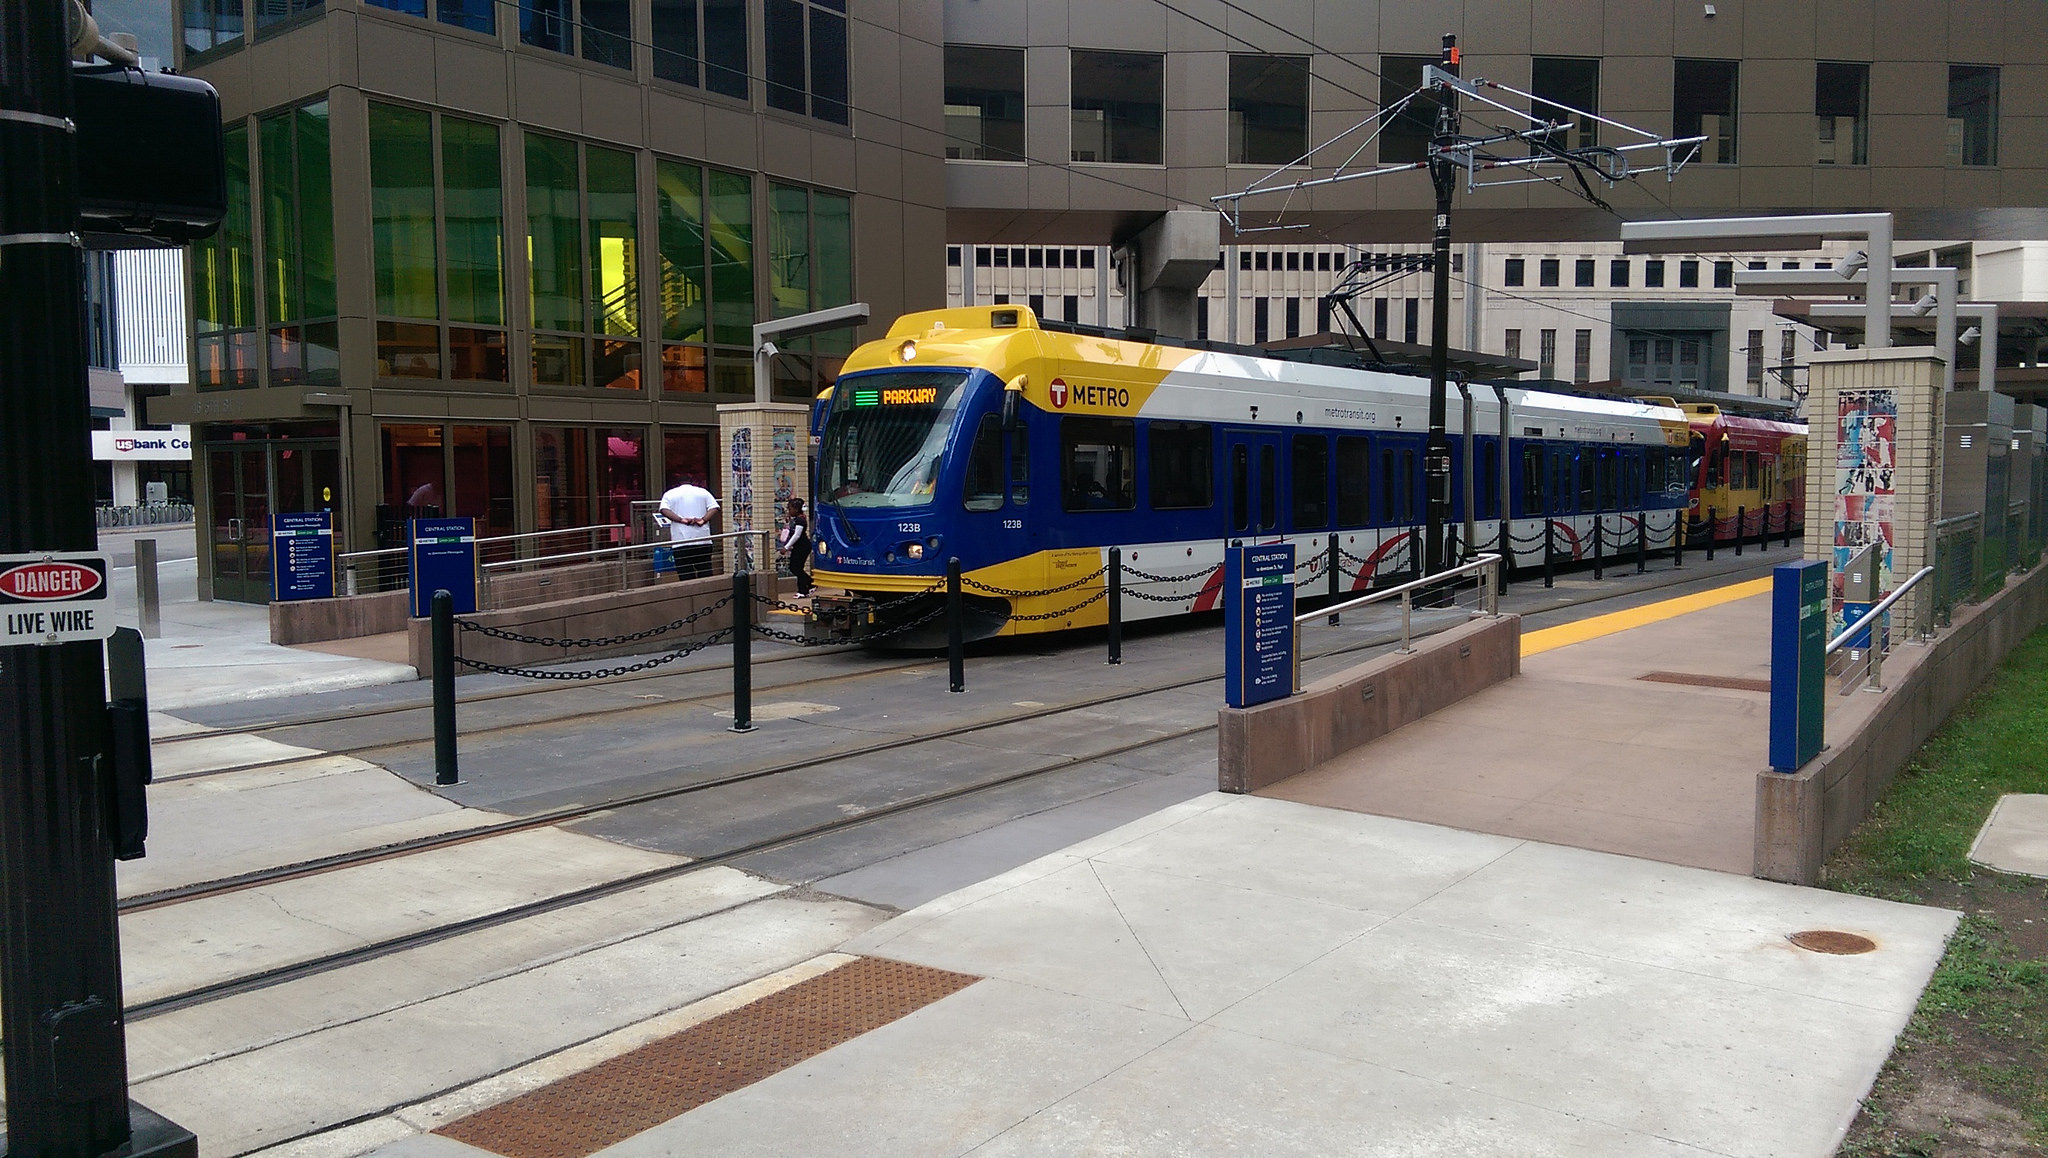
1564, 635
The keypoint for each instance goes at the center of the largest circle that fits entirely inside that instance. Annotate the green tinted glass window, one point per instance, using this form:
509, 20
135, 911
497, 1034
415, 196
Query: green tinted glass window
833, 221
614, 249
223, 266
298, 215
789, 249
402, 211
554, 249
281, 300
730, 232
474, 201
679, 207
316, 209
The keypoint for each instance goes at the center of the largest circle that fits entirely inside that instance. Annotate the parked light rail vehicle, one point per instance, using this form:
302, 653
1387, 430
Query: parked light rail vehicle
1742, 465
1029, 452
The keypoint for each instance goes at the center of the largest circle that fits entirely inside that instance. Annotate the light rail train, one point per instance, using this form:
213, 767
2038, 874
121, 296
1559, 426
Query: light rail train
1028, 451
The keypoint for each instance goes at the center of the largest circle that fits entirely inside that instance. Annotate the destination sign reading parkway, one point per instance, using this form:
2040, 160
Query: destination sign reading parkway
54, 597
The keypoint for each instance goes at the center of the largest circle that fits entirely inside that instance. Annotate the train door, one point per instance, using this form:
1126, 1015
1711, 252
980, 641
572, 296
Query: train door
1255, 482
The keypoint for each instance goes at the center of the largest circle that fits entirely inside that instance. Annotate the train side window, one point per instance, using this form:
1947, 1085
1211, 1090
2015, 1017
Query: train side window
1489, 480
1532, 481
985, 467
1240, 488
1100, 458
1182, 465
1020, 465
1354, 471
1756, 478
1389, 489
1587, 491
1269, 490
1561, 491
1311, 478
1610, 480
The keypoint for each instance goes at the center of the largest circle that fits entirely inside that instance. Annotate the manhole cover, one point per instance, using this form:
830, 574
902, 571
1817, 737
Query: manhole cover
1832, 941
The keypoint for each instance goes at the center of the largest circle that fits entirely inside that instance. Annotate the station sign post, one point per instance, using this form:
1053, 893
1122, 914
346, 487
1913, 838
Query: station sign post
53, 597
301, 556
1258, 622
1799, 641
443, 558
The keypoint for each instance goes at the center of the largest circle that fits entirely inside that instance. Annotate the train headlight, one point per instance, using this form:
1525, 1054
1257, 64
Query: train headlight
933, 543
914, 551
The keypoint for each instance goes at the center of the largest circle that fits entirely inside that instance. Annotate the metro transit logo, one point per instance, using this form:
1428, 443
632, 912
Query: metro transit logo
1058, 391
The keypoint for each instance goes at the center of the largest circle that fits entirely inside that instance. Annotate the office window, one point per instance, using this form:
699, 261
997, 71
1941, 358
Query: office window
1572, 81
1755, 359
706, 277
1311, 482
1511, 345
1293, 261
1405, 138
272, 12
1788, 347
1268, 109
1724, 275
1841, 113
1546, 354
600, 31
1759, 265
1294, 317
1703, 102
1379, 317
1118, 101
1098, 460
1322, 315
211, 24
810, 267
407, 205
1617, 272
1688, 275
1259, 260
1546, 271
298, 246
225, 337
1582, 356
1183, 475
1261, 321
583, 276
1972, 114
806, 43
1653, 273
1513, 275
984, 103
1412, 320
475, 15
701, 43
1582, 273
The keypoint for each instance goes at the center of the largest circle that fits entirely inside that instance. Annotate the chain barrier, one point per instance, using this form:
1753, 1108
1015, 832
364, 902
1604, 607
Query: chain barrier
603, 641
1147, 576
690, 648
806, 641
1008, 594
1102, 594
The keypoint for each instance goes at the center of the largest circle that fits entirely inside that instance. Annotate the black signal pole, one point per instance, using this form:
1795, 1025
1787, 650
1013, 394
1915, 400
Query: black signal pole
1436, 453
60, 966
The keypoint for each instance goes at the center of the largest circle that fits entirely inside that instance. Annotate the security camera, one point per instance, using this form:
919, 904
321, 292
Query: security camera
1851, 265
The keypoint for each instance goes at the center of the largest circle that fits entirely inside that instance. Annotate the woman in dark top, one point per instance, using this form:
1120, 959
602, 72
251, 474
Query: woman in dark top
795, 542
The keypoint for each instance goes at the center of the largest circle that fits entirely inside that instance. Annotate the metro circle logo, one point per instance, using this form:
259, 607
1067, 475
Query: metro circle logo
35, 582
1058, 391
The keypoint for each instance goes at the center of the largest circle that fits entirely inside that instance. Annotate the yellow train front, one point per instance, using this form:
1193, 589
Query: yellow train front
1027, 451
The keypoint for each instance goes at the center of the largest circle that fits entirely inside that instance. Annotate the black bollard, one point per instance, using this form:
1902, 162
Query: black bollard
1642, 545
1116, 605
1788, 522
1712, 530
1336, 576
1599, 524
743, 651
956, 639
1549, 554
1741, 523
1681, 528
444, 688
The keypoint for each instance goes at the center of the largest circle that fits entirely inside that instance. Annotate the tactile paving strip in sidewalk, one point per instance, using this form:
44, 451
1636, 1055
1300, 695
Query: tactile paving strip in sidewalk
1735, 683
614, 1100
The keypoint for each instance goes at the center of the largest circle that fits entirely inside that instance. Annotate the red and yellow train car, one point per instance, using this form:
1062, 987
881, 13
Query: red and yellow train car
1747, 475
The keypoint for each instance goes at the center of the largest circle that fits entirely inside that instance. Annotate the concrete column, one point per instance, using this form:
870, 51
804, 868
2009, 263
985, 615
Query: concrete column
1886, 406
764, 449
1170, 260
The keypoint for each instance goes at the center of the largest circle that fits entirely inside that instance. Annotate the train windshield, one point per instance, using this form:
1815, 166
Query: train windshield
886, 438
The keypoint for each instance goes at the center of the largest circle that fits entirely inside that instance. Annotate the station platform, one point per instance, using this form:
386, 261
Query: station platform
1522, 926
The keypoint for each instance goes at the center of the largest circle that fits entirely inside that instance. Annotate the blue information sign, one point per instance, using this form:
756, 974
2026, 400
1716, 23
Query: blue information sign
1799, 642
301, 556
443, 558
1258, 621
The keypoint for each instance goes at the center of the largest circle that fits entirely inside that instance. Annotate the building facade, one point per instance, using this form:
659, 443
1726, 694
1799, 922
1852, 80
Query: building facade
503, 261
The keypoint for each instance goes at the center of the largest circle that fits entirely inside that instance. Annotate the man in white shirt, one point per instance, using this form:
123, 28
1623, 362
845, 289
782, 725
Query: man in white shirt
689, 510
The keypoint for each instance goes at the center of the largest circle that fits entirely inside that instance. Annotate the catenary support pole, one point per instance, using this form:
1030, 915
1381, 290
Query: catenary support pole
1599, 565
442, 630
1336, 577
60, 961
1741, 525
1549, 553
956, 634
1713, 529
1436, 453
743, 650
1642, 542
1116, 605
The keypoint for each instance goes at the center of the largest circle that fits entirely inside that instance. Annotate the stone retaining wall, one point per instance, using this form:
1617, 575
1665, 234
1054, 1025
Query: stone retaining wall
1266, 744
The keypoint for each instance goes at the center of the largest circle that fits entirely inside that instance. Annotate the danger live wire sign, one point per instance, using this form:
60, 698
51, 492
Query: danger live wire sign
54, 597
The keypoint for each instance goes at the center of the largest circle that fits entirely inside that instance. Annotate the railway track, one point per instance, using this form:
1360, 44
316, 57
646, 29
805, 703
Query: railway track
561, 816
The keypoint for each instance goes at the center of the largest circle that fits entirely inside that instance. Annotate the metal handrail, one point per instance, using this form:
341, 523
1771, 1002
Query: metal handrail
348, 555
542, 534
1483, 564
617, 549
1869, 622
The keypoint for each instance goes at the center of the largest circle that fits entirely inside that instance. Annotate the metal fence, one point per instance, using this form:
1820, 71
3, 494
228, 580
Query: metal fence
1957, 546
155, 514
